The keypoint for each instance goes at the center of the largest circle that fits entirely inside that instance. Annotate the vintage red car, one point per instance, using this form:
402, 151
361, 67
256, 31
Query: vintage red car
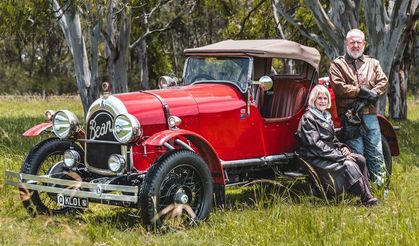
229, 120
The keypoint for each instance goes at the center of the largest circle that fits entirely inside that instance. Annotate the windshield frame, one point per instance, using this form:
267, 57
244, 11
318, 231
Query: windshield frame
242, 86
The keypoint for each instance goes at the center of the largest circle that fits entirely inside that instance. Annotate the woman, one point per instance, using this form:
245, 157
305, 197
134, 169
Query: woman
335, 167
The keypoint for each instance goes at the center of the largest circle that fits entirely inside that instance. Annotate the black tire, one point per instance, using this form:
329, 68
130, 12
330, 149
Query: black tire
39, 161
387, 160
177, 173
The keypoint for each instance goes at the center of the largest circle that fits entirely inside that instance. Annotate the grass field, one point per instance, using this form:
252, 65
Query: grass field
255, 215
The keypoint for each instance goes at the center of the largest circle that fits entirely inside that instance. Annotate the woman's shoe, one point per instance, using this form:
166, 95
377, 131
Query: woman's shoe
371, 202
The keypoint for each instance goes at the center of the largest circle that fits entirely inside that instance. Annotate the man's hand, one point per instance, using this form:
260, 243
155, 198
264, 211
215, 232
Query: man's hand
370, 95
345, 151
350, 157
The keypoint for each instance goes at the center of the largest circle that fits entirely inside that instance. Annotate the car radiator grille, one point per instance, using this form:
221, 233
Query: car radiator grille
99, 127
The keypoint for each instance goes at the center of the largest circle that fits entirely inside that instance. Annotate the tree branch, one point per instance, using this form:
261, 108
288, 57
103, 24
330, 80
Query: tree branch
249, 14
331, 52
148, 33
332, 33
376, 16
344, 14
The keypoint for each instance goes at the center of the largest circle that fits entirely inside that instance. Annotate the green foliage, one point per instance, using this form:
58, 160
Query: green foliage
32, 50
269, 213
251, 20
160, 62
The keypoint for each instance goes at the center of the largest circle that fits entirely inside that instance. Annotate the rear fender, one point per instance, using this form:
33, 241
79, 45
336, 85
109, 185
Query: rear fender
206, 151
390, 134
38, 129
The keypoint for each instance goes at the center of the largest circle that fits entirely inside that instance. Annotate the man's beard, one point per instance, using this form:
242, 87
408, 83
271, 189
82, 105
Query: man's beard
355, 54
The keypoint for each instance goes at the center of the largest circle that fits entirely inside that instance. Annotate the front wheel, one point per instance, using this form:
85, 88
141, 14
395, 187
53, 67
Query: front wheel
177, 191
44, 159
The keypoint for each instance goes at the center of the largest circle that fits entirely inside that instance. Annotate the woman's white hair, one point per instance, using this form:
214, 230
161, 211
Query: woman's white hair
315, 93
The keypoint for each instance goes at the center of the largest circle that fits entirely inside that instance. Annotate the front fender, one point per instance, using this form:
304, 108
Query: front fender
206, 151
38, 129
390, 134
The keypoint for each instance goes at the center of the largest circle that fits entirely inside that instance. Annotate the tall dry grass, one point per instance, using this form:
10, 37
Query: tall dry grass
271, 213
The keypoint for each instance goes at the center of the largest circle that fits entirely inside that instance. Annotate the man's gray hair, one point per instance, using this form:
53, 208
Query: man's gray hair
355, 32
315, 93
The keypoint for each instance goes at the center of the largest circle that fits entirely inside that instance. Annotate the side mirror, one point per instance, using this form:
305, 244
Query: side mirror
265, 82
167, 81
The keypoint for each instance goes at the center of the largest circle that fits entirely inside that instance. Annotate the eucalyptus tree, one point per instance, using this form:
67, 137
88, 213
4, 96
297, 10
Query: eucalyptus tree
110, 22
389, 26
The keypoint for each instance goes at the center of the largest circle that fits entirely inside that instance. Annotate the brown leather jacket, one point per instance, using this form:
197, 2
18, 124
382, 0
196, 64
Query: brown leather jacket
347, 75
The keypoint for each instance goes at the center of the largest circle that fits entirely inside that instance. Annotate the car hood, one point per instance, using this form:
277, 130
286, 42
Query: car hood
186, 102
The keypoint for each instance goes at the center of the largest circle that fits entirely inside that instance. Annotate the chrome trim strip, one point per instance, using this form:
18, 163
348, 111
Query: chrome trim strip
110, 103
265, 160
28, 181
99, 141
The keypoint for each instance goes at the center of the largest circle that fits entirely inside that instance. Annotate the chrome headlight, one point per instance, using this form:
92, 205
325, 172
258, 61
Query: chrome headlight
71, 158
64, 123
126, 128
174, 122
116, 163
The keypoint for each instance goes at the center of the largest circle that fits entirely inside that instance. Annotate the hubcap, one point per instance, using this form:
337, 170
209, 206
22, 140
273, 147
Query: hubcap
181, 198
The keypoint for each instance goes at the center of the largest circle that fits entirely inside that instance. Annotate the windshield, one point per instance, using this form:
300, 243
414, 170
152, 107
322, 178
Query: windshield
230, 69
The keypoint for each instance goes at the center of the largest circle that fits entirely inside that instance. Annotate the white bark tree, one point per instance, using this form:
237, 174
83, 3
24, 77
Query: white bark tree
389, 27
69, 20
117, 36
109, 22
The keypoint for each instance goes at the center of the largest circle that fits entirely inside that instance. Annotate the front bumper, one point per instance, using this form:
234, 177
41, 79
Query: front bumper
96, 192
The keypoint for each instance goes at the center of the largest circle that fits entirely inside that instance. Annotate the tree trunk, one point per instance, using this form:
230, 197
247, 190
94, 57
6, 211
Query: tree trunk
117, 47
143, 64
121, 62
398, 93
94, 46
71, 27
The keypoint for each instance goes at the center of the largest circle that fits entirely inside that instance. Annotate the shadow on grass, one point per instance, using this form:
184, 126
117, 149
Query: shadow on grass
267, 193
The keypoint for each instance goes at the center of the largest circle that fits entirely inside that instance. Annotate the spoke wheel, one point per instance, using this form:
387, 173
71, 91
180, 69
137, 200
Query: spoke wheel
176, 192
43, 159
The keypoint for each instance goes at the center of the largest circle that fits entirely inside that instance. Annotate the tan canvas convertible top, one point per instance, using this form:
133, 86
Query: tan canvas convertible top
262, 48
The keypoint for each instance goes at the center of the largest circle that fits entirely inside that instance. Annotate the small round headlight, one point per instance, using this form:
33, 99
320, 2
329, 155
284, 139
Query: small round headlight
116, 163
126, 128
64, 123
49, 114
174, 122
166, 81
71, 158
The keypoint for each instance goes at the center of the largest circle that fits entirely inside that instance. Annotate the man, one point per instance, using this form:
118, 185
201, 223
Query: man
353, 77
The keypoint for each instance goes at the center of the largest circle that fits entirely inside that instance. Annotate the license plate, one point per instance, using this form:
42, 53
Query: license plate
74, 202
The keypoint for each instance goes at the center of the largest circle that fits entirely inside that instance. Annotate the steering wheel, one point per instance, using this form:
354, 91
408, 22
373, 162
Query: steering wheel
202, 76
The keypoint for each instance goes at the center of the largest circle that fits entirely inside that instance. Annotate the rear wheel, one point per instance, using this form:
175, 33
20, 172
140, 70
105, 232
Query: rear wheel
177, 191
44, 159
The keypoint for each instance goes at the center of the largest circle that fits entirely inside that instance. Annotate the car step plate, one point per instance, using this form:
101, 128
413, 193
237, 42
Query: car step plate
73, 202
